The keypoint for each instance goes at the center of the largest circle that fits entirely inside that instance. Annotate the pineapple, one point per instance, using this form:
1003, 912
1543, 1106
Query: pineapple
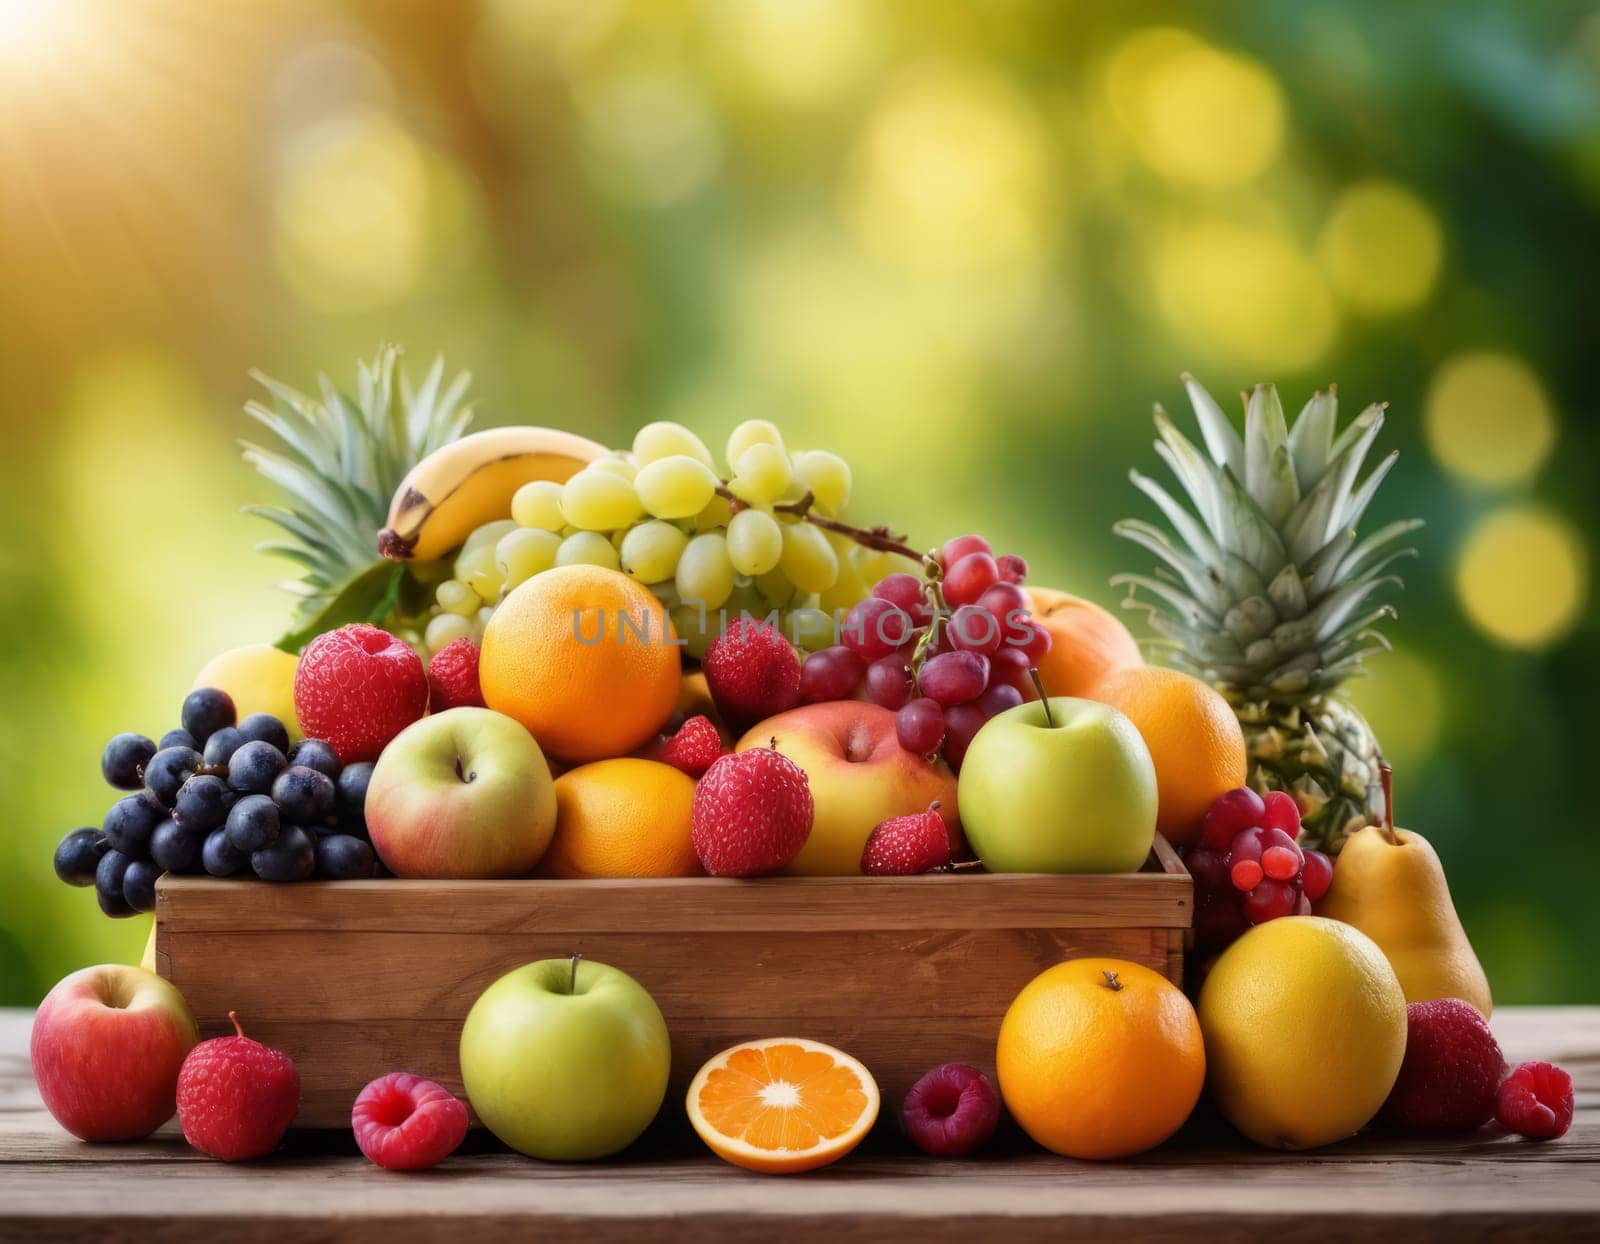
339, 461
1267, 594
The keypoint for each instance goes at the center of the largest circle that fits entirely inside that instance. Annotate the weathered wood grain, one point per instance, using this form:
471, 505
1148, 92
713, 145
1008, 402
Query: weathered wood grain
771, 904
354, 980
1205, 1183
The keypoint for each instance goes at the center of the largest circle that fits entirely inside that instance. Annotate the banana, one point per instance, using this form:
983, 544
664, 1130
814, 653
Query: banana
469, 482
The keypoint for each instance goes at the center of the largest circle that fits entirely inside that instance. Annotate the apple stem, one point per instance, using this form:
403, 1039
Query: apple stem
1112, 983
1038, 685
572, 983
234, 1016
1387, 778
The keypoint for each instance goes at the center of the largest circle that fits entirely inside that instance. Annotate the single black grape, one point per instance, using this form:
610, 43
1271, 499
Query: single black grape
129, 822
254, 767
304, 795
174, 849
292, 858
315, 754
78, 855
341, 857
218, 855
139, 885
253, 823
108, 875
265, 728
202, 803
221, 746
123, 761
206, 711
168, 770
178, 738
353, 782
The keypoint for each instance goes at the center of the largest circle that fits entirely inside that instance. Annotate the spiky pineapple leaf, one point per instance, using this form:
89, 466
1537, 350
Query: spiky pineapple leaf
369, 596
1311, 437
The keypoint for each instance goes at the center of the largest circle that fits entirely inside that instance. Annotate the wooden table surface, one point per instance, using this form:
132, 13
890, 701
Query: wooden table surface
1205, 1181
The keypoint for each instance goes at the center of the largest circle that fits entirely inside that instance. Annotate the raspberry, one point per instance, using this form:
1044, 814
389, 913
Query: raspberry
236, 1097
694, 748
358, 687
1451, 1070
453, 677
951, 1110
405, 1123
904, 846
1535, 1101
752, 673
752, 813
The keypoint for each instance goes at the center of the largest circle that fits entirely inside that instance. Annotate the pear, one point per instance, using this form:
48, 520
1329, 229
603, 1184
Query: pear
1389, 884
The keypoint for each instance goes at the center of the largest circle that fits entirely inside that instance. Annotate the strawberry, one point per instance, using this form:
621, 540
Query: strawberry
453, 677
751, 672
694, 748
903, 846
358, 687
1451, 1070
752, 813
236, 1097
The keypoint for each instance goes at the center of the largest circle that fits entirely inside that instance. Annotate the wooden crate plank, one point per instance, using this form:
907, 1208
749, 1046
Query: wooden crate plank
365, 975
777, 904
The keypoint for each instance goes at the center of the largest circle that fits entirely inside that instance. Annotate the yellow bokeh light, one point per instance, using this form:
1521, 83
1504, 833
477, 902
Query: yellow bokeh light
1523, 577
1487, 418
1247, 295
1196, 114
799, 52
1404, 702
650, 137
952, 175
352, 212
568, 28
1381, 248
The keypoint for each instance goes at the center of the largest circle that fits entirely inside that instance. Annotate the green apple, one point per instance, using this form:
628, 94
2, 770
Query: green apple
464, 793
565, 1060
1068, 788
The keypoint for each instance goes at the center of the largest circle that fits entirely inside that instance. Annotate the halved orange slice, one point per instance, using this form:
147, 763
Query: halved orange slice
782, 1105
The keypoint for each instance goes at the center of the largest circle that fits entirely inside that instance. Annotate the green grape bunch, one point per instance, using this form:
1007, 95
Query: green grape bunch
768, 538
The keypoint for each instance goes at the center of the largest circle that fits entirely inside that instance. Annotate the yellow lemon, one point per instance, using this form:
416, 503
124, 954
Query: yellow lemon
259, 677
1305, 1027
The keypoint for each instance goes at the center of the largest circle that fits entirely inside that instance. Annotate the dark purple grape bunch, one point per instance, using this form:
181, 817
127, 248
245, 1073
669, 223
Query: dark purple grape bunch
220, 796
945, 653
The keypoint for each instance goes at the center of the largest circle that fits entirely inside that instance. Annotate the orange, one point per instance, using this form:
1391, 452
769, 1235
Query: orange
782, 1105
1086, 642
1194, 739
1100, 1058
622, 818
583, 657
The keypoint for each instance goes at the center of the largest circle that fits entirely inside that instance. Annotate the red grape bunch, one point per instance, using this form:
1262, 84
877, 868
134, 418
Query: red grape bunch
1248, 868
945, 653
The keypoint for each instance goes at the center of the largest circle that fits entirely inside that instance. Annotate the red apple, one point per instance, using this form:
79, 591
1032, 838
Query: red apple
106, 1048
859, 775
464, 793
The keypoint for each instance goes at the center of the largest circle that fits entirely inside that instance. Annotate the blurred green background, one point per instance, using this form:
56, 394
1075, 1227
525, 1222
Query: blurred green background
965, 245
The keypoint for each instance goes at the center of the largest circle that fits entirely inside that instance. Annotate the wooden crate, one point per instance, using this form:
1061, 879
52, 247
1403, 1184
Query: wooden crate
356, 979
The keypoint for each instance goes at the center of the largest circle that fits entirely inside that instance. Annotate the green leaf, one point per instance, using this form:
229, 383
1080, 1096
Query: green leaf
368, 596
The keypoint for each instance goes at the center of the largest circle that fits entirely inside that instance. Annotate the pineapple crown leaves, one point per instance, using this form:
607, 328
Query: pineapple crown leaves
1265, 587
338, 461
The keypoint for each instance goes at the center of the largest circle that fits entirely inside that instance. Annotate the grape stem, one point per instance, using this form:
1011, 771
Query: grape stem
879, 538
